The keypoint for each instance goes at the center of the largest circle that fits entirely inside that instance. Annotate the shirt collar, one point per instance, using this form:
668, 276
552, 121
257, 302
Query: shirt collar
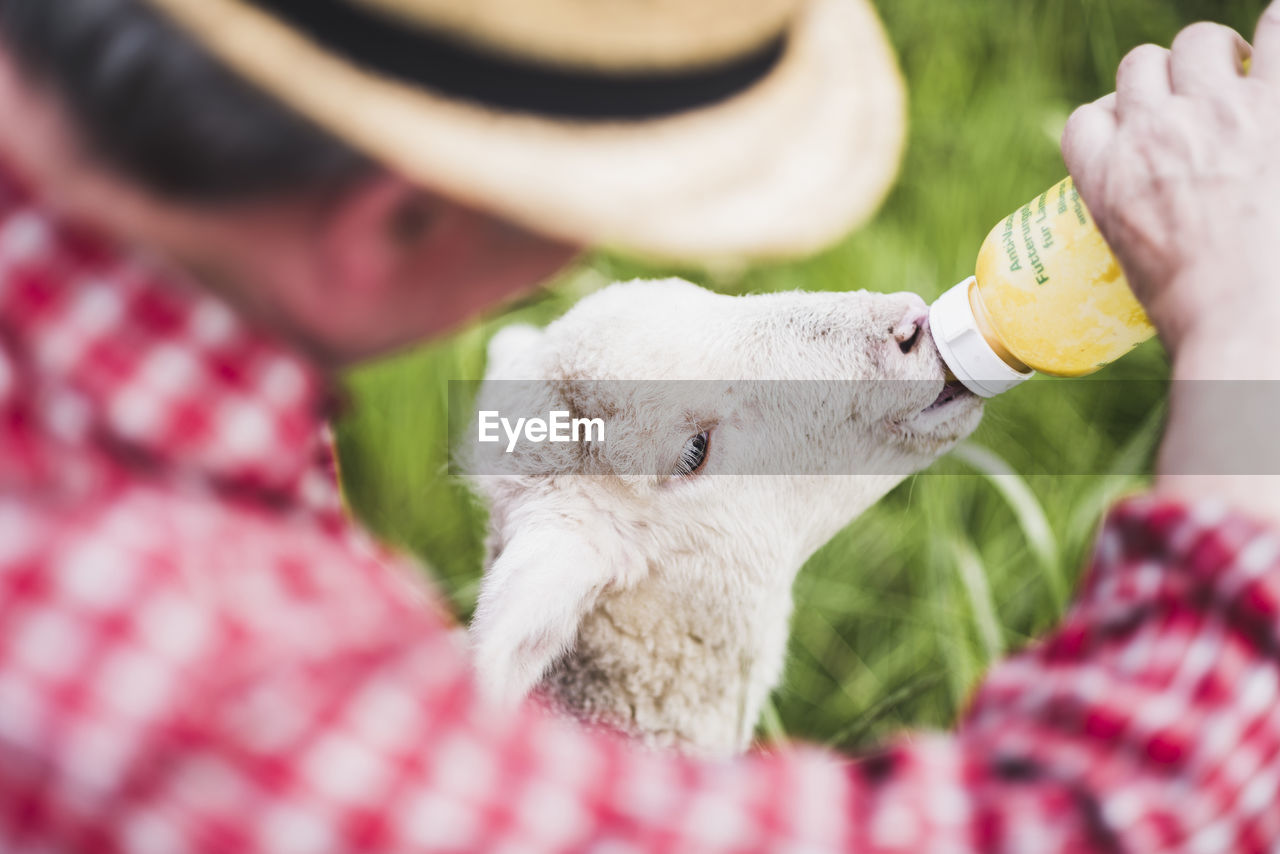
161, 373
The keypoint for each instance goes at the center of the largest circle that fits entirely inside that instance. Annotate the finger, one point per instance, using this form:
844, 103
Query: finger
1205, 57
1266, 45
1085, 142
1142, 81
1108, 103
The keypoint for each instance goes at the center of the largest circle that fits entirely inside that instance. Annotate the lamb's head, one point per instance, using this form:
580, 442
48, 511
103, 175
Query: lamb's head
740, 433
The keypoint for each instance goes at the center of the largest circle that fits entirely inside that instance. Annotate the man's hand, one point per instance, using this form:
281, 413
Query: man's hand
1181, 169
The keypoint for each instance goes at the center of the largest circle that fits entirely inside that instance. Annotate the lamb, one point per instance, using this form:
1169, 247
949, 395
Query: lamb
644, 583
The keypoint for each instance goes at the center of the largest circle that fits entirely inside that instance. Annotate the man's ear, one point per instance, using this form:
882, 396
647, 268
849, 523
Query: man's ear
534, 596
513, 352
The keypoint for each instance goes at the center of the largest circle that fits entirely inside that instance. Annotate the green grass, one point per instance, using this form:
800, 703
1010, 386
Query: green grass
899, 615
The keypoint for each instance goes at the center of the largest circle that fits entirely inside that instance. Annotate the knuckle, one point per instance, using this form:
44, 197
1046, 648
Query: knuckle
1139, 56
1144, 53
1071, 131
1206, 34
1078, 115
1201, 30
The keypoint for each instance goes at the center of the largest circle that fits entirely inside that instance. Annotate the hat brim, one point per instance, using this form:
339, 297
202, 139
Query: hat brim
783, 169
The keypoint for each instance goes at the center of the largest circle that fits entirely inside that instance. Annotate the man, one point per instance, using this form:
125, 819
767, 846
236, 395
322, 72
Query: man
197, 653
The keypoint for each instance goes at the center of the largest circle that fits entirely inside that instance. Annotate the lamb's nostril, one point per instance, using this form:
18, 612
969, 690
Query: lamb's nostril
908, 335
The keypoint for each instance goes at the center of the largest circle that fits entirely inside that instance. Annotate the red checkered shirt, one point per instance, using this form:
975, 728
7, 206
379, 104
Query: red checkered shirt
199, 653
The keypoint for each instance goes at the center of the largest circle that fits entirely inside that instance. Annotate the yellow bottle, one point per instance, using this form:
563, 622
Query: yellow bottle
1047, 296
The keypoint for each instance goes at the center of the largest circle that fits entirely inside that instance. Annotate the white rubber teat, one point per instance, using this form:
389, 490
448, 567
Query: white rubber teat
963, 347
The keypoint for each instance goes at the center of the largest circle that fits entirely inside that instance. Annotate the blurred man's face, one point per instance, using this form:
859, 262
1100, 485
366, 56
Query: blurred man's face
345, 276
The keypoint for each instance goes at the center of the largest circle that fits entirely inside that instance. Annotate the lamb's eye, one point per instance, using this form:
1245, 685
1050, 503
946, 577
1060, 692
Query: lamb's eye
694, 454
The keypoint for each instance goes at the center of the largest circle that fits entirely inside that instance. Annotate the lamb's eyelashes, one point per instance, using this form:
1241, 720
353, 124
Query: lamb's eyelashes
693, 456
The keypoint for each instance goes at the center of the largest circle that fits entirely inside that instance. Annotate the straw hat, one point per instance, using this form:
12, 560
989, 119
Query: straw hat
684, 129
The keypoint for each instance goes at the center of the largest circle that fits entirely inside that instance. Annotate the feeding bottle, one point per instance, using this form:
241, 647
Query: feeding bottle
1047, 295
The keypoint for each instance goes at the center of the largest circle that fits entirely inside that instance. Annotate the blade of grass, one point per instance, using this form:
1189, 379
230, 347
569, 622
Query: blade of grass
952, 634
1134, 456
771, 725
974, 580
1026, 508
1126, 473
852, 735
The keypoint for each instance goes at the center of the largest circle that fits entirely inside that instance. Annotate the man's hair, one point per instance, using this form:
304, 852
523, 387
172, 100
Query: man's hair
152, 105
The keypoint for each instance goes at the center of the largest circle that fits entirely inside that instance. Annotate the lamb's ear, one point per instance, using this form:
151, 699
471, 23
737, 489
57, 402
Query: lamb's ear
532, 600
513, 352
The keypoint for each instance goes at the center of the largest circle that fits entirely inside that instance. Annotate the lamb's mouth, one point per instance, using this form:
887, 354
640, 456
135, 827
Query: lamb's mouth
951, 392
952, 415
